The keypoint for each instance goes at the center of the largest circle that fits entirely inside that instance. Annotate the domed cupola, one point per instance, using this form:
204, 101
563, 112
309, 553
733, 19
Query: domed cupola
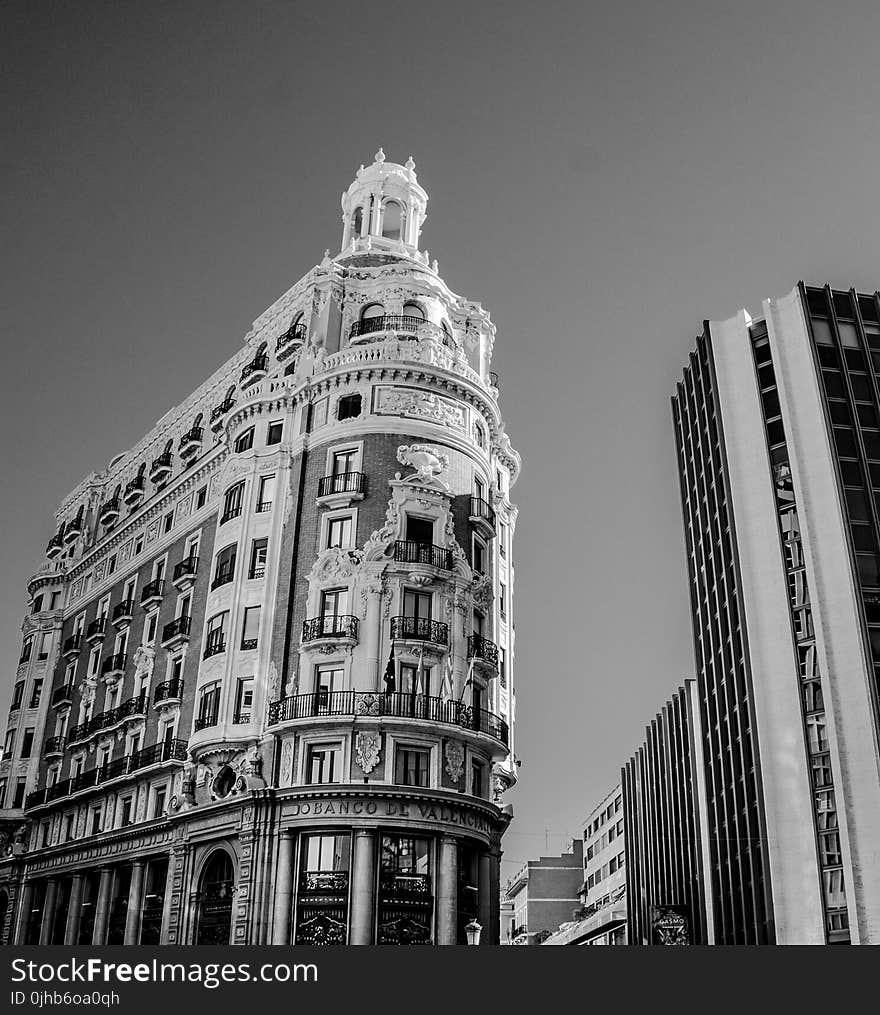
383, 210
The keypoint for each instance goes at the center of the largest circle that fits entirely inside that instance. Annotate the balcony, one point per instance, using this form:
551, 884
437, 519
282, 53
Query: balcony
35, 799
71, 646
324, 883
161, 468
191, 442
152, 593
483, 651
224, 576
256, 370
60, 789
341, 490
73, 530
220, 412
96, 630
123, 613
134, 707
168, 693
290, 341
133, 493
176, 633
85, 780
388, 322
419, 629
113, 667
109, 512
407, 551
342, 629
62, 695
214, 644
405, 888
55, 546
263, 506
231, 512
165, 750
368, 704
241, 718
205, 722
482, 516
53, 747
184, 575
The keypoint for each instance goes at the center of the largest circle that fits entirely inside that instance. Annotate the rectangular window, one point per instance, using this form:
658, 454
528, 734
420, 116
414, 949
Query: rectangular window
151, 624
201, 498
502, 538
37, 603
17, 695
326, 853
502, 666
324, 763
45, 644
274, 432
266, 493
411, 766
159, 801
27, 742
244, 699
168, 522
502, 599
259, 553
125, 811
478, 778
55, 602
26, 648
415, 680
215, 635
419, 530
334, 603
18, 793
68, 827
417, 604
44, 830
327, 680
36, 693
340, 532
111, 564
345, 461
96, 821
138, 545
478, 555
404, 854
209, 706
244, 441
250, 628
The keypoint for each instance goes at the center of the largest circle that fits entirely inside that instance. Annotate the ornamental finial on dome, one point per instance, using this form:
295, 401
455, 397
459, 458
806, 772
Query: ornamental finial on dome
410, 164
379, 156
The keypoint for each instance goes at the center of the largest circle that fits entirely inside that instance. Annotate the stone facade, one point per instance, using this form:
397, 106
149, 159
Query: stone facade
279, 691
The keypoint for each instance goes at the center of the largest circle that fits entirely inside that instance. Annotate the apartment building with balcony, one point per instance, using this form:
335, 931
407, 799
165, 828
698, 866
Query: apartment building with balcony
278, 694
541, 895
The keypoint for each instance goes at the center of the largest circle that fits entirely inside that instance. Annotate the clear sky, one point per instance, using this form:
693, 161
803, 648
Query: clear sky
601, 176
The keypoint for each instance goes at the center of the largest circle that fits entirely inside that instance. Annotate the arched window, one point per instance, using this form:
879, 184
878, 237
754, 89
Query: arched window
413, 310
392, 220
357, 222
479, 435
141, 470
348, 407
198, 420
168, 446
216, 888
373, 310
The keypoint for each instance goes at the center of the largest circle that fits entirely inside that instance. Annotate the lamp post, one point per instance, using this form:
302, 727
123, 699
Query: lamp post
473, 931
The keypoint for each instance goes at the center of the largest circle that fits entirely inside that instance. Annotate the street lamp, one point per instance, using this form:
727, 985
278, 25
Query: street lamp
473, 931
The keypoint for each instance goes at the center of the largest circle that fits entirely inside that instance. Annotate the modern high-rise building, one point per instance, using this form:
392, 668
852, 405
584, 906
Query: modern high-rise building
266, 690
663, 791
777, 423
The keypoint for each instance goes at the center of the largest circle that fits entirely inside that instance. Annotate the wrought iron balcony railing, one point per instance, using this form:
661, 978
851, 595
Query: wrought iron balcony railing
123, 612
483, 511
324, 883
368, 704
331, 626
408, 551
240, 718
62, 694
215, 644
161, 467
344, 482
191, 441
152, 591
387, 322
134, 490
115, 663
72, 645
204, 722
55, 546
230, 513
223, 576
219, 411
258, 365
419, 629
185, 569
134, 706
109, 512
482, 648
165, 750
177, 630
54, 745
168, 690
293, 335
97, 629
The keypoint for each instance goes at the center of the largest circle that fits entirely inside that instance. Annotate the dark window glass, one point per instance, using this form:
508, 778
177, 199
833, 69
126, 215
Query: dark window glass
861, 387
349, 407
869, 573
857, 506
775, 433
868, 308
843, 305
840, 413
816, 302
765, 376
273, 435
863, 538
855, 360
828, 355
851, 473
872, 443
846, 443
834, 384
771, 404
867, 415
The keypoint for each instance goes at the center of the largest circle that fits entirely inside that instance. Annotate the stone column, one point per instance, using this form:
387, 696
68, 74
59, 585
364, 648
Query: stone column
133, 911
447, 892
494, 897
74, 910
485, 903
25, 902
372, 624
102, 906
48, 911
166, 900
283, 890
363, 892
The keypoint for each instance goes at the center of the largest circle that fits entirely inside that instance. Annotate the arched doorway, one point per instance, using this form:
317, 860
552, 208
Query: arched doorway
216, 888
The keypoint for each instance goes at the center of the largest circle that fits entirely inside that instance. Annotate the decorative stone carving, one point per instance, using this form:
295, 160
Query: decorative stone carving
426, 459
499, 787
286, 773
421, 404
144, 660
336, 564
482, 592
367, 751
454, 759
381, 538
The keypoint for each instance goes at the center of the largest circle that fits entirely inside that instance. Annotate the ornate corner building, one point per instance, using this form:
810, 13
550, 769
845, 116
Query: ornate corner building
266, 690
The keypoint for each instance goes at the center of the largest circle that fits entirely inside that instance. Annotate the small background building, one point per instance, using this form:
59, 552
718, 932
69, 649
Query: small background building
540, 896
